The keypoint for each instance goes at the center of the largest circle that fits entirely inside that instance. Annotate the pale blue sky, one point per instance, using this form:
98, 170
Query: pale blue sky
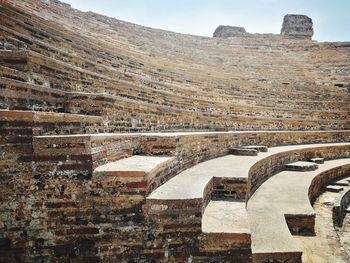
200, 17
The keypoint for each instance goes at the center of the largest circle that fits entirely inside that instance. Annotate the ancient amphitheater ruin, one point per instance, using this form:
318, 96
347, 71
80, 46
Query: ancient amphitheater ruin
123, 143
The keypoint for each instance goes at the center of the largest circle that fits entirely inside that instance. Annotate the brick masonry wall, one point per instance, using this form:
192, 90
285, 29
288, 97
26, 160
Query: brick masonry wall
54, 202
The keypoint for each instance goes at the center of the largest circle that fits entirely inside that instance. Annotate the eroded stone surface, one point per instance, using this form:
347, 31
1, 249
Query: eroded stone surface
229, 31
297, 26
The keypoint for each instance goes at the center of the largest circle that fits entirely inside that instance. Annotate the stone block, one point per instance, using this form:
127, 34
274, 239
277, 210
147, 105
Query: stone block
260, 148
301, 166
243, 152
317, 160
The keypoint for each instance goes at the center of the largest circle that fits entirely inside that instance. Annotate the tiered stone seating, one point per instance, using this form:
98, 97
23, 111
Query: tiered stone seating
226, 178
74, 189
317, 160
334, 188
144, 89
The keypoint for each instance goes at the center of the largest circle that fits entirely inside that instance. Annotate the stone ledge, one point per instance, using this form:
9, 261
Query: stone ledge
135, 166
46, 117
317, 160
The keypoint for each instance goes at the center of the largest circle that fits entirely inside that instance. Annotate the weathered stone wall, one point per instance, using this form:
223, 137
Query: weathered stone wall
52, 200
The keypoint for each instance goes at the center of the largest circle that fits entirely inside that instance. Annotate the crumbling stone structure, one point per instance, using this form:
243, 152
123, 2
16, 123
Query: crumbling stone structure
297, 26
119, 148
229, 31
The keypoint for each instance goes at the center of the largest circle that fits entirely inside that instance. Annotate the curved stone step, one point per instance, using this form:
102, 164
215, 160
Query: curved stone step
280, 205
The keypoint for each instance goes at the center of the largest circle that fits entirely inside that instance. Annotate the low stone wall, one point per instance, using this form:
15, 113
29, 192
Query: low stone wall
301, 224
340, 206
233, 189
54, 202
290, 257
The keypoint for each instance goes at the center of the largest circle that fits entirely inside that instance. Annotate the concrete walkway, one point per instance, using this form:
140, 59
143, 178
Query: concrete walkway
284, 193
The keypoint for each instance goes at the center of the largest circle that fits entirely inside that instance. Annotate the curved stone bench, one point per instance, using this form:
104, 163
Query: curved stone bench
273, 162
281, 205
250, 170
184, 198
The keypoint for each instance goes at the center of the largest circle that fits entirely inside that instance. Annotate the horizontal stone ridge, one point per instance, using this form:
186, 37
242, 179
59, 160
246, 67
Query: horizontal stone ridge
41, 117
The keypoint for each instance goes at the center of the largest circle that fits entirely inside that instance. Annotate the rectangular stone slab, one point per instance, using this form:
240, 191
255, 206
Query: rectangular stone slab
317, 160
135, 166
